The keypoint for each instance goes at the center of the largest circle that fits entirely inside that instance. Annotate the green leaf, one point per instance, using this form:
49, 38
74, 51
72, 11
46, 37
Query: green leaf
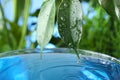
70, 22
46, 20
57, 3
5, 47
24, 26
35, 13
117, 8
18, 7
108, 5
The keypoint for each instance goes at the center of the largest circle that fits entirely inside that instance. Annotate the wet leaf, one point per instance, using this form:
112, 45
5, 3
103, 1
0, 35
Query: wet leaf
46, 19
57, 4
70, 22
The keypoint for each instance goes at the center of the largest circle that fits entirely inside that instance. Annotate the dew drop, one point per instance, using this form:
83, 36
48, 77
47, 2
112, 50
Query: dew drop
62, 18
65, 5
70, 44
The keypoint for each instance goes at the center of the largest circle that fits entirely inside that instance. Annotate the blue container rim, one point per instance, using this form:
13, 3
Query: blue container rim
87, 53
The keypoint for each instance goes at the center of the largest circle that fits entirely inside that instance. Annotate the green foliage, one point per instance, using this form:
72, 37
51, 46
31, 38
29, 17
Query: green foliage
117, 8
112, 7
69, 15
13, 38
108, 5
18, 9
70, 22
46, 21
100, 33
24, 26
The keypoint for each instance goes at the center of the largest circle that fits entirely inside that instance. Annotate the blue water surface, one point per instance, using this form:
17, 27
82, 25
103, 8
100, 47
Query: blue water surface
57, 67
12, 68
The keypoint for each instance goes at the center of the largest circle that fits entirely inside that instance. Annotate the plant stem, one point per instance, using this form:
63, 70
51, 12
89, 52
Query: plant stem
24, 27
4, 20
15, 10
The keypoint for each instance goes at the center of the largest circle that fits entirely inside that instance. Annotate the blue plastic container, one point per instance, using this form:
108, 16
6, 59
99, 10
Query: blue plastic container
58, 64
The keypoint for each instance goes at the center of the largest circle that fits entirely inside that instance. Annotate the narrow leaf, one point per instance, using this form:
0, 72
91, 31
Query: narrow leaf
57, 4
35, 13
18, 7
46, 20
24, 26
117, 8
70, 22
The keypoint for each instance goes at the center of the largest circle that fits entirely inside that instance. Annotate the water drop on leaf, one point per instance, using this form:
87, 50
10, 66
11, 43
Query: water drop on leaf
65, 5
70, 23
46, 20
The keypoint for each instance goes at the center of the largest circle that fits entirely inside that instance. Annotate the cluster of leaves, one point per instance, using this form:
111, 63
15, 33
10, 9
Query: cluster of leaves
11, 34
101, 32
69, 18
96, 36
112, 7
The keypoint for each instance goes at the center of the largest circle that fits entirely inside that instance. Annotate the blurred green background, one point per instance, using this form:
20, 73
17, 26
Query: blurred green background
18, 21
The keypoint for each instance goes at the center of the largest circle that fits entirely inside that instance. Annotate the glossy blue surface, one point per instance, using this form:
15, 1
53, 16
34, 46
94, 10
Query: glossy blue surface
58, 66
12, 68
